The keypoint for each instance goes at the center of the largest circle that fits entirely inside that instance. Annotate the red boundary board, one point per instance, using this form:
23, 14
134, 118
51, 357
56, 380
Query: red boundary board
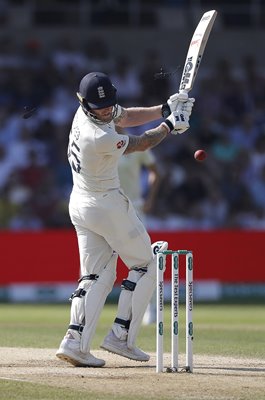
52, 256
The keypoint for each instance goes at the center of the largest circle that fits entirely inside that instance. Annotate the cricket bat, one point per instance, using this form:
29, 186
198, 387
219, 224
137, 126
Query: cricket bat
196, 50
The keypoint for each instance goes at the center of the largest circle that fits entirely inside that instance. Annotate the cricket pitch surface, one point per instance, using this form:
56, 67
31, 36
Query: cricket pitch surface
214, 377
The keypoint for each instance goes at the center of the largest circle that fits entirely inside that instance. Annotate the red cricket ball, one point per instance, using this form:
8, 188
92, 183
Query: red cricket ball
200, 155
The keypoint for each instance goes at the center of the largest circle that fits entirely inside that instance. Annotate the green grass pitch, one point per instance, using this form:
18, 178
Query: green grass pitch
237, 330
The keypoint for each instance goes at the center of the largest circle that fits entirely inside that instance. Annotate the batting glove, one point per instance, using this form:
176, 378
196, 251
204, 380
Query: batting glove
177, 122
178, 102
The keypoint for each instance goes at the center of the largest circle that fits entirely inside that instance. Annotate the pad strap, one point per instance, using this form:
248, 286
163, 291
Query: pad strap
125, 324
128, 285
78, 293
91, 277
140, 269
78, 328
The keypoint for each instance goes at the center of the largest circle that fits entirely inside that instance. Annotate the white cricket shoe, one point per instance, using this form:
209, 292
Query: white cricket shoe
70, 351
114, 345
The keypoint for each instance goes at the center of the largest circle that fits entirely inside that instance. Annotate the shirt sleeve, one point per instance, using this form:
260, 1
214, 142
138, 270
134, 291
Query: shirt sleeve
111, 142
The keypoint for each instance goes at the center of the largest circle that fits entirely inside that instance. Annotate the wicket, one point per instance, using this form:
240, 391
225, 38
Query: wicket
161, 266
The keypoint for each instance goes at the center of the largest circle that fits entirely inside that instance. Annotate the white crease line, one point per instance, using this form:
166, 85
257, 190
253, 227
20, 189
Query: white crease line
14, 379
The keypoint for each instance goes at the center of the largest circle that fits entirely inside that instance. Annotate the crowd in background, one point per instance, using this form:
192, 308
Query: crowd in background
227, 190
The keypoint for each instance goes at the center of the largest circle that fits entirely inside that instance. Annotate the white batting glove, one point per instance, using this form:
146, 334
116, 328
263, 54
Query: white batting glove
177, 122
186, 106
178, 102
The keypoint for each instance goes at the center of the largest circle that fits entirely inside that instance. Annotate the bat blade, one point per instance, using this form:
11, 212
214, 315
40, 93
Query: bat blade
196, 50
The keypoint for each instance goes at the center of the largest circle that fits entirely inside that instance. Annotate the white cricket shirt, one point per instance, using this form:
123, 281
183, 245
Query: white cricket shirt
93, 153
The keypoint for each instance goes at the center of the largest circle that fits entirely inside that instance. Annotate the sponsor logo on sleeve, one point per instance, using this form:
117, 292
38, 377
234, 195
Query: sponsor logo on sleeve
121, 144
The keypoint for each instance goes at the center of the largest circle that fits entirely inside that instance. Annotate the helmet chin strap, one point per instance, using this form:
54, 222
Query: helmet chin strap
95, 119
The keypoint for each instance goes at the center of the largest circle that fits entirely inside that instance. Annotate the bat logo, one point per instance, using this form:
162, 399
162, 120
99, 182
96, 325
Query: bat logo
195, 42
198, 64
186, 73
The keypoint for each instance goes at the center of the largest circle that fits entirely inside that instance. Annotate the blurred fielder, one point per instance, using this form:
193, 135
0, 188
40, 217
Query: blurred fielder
105, 220
130, 174
143, 196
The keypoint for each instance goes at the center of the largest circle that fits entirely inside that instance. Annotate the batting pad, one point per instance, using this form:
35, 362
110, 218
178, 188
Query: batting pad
94, 301
143, 294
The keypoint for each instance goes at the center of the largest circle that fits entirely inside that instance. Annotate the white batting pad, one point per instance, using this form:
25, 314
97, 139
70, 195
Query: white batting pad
143, 294
94, 301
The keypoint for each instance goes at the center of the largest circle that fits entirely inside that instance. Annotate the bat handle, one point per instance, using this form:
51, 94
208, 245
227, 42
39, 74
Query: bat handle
184, 92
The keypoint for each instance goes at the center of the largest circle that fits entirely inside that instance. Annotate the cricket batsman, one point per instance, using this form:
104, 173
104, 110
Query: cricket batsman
105, 221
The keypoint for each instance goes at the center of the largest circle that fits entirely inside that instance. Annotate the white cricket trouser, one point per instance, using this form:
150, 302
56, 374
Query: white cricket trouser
107, 221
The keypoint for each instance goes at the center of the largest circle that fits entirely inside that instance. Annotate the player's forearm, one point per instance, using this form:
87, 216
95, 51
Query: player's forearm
136, 116
147, 140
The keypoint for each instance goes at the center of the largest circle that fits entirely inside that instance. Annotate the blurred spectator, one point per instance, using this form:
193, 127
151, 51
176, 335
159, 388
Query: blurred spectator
214, 208
98, 55
244, 134
33, 174
67, 55
125, 77
158, 89
257, 188
25, 219
225, 191
6, 167
257, 160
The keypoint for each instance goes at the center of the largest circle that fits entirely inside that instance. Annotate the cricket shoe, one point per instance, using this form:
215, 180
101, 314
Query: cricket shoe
114, 345
70, 351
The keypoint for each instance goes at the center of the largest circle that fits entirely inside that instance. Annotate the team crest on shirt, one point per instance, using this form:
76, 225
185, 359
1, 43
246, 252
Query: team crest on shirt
121, 144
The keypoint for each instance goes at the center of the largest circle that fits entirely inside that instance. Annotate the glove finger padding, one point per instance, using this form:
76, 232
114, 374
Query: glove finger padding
187, 106
178, 102
178, 97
